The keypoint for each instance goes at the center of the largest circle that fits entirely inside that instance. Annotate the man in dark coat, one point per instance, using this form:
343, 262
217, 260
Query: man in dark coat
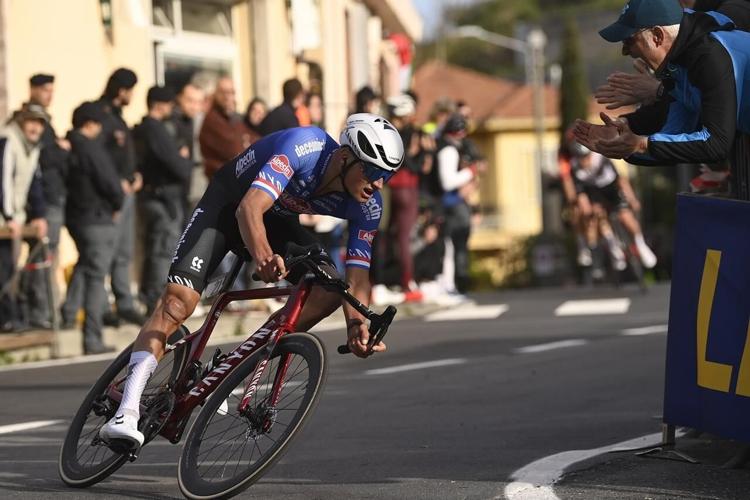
283, 116
166, 167
95, 197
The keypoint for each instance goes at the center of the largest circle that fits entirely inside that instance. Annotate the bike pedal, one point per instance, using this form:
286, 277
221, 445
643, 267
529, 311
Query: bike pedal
124, 447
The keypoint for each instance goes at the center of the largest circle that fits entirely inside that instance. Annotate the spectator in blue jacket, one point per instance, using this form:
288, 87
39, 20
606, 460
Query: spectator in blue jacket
702, 58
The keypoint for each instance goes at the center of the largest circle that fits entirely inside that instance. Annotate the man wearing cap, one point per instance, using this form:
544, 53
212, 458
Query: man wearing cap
700, 58
95, 197
641, 87
54, 167
166, 168
20, 187
118, 142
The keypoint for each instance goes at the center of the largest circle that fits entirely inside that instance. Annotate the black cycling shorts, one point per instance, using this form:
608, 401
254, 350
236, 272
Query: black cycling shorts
212, 232
608, 196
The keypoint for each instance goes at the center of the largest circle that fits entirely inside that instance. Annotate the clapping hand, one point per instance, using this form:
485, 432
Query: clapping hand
614, 139
625, 89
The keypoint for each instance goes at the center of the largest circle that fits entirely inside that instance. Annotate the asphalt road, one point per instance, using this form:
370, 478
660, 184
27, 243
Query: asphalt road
456, 431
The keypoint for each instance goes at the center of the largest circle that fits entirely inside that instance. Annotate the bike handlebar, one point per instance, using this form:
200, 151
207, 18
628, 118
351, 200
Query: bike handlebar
311, 257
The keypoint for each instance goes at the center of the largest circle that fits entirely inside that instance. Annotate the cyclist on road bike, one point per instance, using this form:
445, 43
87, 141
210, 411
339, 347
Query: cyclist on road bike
593, 186
253, 203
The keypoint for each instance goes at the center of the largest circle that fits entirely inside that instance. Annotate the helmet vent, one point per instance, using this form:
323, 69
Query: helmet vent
364, 145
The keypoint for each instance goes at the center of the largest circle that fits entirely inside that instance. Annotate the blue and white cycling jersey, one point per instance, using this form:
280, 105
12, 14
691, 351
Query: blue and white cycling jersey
289, 166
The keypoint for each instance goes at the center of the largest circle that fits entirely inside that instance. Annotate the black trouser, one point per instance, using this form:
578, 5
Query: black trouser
162, 224
35, 293
7, 269
123, 256
96, 245
458, 229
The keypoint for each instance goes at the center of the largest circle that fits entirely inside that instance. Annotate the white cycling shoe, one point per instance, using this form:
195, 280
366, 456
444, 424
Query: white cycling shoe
122, 427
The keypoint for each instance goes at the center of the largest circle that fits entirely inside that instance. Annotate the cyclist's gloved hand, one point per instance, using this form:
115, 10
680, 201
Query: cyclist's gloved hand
271, 269
357, 337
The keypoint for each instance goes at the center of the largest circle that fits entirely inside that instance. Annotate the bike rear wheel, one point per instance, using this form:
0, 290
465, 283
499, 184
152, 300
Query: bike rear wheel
84, 460
225, 451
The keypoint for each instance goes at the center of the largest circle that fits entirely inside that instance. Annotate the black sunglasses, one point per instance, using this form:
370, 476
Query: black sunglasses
372, 172
375, 173
631, 39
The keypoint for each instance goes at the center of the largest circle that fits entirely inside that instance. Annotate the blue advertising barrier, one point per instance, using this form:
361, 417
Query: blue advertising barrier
708, 346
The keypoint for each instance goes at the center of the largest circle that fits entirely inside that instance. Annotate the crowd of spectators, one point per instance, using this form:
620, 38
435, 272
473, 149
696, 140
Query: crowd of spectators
115, 187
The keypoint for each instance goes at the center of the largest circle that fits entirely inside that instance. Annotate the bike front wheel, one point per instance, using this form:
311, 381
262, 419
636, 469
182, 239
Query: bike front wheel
227, 451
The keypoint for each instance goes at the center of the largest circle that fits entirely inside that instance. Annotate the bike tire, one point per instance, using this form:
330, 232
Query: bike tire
193, 469
72, 472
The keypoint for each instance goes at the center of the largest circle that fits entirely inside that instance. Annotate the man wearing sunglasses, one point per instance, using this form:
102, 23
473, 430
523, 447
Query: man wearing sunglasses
253, 204
702, 61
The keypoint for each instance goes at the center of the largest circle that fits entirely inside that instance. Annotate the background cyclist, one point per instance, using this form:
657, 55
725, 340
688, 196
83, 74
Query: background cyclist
253, 202
595, 189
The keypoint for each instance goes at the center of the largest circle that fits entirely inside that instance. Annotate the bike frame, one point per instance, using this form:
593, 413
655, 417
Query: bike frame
191, 392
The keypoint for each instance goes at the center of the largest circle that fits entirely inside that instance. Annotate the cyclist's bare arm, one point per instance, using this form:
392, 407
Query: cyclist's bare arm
627, 191
569, 189
250, 220
357, 333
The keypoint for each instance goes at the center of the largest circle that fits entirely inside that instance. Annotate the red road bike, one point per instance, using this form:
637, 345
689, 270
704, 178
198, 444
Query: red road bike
254, 399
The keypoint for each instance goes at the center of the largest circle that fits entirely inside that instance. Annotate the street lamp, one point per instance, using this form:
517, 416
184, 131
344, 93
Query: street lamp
533, 51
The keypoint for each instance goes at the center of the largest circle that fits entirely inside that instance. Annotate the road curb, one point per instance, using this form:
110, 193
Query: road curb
35, 346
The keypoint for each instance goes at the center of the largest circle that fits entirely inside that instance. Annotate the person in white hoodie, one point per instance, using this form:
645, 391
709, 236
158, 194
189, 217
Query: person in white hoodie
21, 194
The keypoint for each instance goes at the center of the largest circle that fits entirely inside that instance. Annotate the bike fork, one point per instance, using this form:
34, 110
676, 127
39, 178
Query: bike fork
277, 383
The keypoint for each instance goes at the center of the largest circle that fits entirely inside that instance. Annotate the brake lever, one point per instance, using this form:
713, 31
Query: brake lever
379, 325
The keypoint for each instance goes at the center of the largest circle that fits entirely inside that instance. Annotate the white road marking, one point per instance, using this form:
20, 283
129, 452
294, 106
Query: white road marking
593, 307
7, 429
560, 344
646, 330
468, 313
534, 481
417, 366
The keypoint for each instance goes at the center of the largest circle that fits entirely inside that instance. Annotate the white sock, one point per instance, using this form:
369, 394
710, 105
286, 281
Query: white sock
639, 241
142, 365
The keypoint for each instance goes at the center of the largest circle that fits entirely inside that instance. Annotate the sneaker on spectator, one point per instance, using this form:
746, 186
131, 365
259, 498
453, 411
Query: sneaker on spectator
413, 296
110, 318
132, 316
382, 296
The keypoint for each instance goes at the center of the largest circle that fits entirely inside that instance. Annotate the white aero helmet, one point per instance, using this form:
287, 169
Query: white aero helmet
373, 140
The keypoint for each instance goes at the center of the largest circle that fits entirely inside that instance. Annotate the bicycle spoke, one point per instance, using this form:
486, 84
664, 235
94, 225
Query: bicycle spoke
228, 449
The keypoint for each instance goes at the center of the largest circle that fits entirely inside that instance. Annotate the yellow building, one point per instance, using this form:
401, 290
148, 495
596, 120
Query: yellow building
511, 189
260, 43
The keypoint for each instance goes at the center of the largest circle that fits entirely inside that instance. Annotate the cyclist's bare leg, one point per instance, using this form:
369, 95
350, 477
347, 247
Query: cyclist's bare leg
175, 306
628, 220
631, 224
319, 306
586, 219
605, 228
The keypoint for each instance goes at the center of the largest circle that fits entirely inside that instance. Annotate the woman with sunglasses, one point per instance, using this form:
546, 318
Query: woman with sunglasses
252, 205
